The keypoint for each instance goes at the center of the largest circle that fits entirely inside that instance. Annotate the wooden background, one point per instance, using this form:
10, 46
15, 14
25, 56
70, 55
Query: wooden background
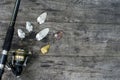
89, 49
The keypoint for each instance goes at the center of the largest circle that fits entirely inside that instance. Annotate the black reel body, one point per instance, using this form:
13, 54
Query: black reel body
18, 60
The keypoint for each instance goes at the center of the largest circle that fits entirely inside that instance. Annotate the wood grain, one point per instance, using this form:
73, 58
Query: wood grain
89, 49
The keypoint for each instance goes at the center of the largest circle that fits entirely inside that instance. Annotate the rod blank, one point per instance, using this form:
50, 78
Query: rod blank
8, 38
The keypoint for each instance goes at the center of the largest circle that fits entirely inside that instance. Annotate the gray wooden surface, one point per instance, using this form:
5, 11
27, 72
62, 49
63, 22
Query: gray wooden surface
89, 49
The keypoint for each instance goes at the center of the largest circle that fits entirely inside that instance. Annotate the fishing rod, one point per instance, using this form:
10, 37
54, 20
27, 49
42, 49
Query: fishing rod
8, 38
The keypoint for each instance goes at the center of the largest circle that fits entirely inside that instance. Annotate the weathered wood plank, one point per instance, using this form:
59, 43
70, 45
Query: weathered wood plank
70, 12
89, 49
81, 39
91, 39
73, 68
